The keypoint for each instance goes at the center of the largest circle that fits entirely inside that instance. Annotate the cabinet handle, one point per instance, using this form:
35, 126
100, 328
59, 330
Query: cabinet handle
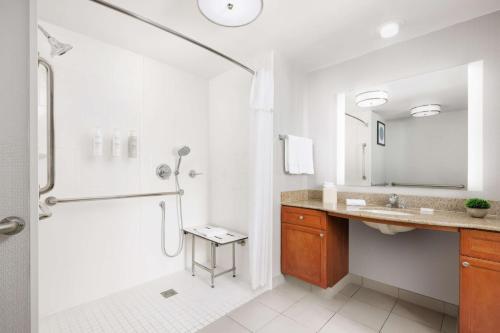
301, 217
321, 235
465, 264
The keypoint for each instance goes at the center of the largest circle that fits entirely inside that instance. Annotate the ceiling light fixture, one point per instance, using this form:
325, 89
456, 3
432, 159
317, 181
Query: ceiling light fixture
231, 13
389, 30
369, 99
426, 110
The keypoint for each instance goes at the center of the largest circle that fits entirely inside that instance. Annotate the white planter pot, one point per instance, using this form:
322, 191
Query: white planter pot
477, 212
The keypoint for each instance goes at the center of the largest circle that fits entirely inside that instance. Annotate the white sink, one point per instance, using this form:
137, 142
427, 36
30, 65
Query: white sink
387, 229
386, 212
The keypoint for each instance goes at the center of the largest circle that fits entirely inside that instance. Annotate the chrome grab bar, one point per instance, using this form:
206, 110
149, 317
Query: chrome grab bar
51, 171
52, 201
11, 225
459, 187
363, 147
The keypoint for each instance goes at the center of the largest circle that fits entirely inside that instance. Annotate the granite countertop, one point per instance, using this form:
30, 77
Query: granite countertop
438, 218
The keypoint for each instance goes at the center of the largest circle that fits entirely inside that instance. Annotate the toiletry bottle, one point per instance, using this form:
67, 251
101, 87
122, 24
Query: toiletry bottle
329, 193
132, 144
97, 142
116, 144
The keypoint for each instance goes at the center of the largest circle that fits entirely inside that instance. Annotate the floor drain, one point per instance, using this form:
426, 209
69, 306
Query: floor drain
168, 293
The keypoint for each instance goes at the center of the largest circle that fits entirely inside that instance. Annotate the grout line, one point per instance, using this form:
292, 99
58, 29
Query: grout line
326, 322
246, 329
390, 312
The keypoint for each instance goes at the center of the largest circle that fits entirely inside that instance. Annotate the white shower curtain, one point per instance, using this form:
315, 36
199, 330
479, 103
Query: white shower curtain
261, 180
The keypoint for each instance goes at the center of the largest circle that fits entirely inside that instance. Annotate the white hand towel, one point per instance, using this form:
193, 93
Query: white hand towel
299, 155
355, 202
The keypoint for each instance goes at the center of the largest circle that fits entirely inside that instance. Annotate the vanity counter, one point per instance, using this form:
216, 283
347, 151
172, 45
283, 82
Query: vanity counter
439, 220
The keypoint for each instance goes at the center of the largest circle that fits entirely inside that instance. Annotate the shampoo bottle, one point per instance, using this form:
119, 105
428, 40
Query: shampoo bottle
97, 143
116, 144
132, 144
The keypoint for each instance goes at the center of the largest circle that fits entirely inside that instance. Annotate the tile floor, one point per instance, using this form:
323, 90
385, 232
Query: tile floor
143, 310
294, 308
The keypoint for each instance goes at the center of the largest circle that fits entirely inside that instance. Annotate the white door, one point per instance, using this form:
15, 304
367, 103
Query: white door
17, 193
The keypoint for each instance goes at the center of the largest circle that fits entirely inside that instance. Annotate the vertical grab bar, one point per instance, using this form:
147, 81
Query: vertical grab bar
363, 166
51, 172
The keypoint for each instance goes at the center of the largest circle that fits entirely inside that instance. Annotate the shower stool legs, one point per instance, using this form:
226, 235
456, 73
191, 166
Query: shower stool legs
213, 260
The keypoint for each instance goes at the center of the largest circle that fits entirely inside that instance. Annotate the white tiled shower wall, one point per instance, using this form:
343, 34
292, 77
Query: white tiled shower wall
88, 250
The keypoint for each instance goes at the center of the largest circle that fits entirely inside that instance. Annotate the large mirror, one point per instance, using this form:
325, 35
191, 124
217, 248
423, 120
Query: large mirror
411, 132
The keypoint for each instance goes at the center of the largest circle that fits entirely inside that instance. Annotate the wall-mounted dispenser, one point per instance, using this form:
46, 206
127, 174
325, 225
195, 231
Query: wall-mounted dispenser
116, 145
97, 142
132, 144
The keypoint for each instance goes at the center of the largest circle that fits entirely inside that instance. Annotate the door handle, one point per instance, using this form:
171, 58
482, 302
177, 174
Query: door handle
11, 225
465, 264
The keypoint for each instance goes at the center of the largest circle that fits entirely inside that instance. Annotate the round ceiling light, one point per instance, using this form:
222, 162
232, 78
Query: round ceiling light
370, 99
426, 110
231, 13
389, 30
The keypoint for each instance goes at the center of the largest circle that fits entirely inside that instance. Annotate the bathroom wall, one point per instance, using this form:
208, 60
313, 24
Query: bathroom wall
289, 118
89, 250
460, 44
430, 150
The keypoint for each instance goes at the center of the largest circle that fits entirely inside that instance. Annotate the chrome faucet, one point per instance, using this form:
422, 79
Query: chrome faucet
393, 201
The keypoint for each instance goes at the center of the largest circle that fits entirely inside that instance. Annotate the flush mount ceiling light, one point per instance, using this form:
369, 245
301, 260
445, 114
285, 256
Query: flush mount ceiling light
389, 30
231, 13
371, 99
426, 110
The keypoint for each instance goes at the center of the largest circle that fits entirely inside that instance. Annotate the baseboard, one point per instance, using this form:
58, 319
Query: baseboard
277, 280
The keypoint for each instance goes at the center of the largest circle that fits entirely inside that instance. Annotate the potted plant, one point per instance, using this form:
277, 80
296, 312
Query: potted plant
477, 207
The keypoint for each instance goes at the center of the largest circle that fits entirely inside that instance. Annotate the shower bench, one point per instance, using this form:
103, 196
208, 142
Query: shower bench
230, 238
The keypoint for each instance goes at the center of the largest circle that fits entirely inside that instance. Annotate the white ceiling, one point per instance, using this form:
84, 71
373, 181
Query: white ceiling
447, 88
314, 34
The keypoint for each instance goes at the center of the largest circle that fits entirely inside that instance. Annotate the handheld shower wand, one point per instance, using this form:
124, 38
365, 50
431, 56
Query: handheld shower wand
180, 221
181, 152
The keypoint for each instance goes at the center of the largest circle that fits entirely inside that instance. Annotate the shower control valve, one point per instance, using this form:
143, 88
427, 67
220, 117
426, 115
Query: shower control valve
163, 171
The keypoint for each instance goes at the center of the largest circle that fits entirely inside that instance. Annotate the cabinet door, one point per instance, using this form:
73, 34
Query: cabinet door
479, 296
303, 252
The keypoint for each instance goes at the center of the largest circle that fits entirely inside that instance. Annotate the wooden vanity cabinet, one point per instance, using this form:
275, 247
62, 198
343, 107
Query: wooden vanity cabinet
314, 246
479, 281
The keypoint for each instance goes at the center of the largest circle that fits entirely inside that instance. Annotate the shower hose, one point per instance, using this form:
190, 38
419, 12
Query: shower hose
180, 223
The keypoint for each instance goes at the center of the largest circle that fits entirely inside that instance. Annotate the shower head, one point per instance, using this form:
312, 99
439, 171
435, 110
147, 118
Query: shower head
181, 152
184, 151
57, 48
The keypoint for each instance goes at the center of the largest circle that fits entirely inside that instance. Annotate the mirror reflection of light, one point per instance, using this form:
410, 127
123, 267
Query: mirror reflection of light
475, 126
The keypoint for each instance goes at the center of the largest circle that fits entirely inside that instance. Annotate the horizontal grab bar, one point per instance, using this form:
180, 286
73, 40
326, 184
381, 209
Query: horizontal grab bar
460, 187
52, 201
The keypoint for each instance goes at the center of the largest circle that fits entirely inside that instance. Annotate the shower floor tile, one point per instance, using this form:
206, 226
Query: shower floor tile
143, 309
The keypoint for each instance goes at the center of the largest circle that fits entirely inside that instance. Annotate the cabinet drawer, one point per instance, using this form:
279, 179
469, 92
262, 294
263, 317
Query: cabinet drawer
480, 244
304, 217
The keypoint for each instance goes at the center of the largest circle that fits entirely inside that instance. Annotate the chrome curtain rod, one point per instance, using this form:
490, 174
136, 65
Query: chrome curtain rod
173, 32
52, 201
359, 119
